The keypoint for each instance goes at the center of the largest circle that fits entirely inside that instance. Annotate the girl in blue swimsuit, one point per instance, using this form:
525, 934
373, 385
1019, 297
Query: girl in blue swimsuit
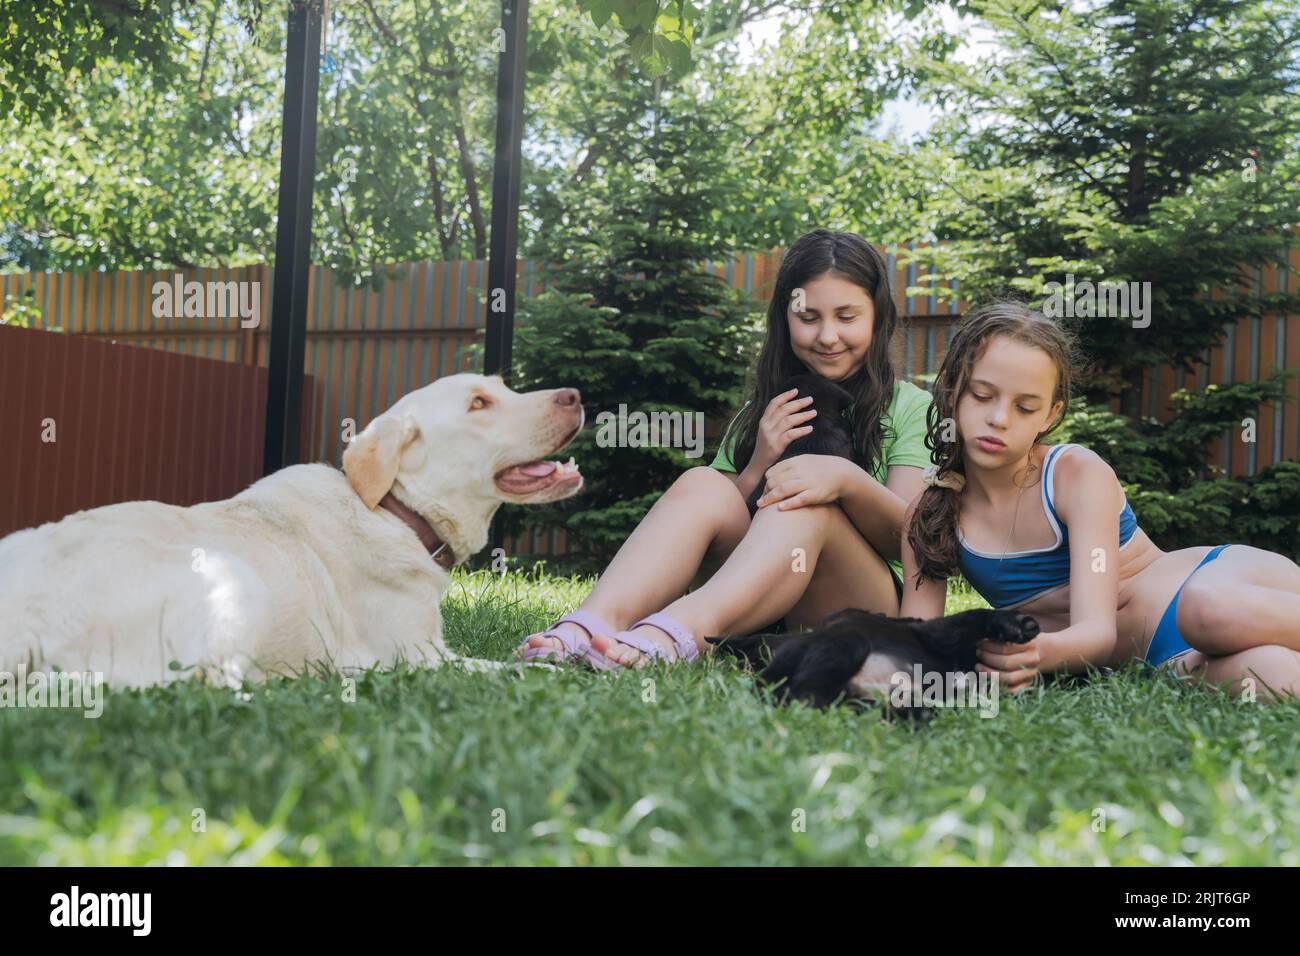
1047, 530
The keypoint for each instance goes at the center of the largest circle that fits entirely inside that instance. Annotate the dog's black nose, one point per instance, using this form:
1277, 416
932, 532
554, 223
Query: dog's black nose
568, 397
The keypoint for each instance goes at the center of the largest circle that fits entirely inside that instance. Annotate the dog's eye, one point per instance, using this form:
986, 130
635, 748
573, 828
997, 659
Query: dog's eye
478, 402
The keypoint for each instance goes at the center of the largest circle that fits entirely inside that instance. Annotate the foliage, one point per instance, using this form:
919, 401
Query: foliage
658, 31
148, 163
630, 316
148, 170
1128, 141
48, 47
19, 310
1161, 465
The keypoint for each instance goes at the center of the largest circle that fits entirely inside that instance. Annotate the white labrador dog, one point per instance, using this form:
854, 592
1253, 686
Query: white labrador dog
310, 564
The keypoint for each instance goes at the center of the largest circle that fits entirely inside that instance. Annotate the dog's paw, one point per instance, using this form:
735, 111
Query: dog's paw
1012, 627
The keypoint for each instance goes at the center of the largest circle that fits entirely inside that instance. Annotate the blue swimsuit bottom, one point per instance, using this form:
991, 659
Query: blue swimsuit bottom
1167, 642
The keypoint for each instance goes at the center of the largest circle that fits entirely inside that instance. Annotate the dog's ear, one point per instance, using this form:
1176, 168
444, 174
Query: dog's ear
372, 458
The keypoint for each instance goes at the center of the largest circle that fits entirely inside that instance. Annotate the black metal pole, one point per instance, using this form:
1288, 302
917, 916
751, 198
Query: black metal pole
293, 237
505, 188
506, 172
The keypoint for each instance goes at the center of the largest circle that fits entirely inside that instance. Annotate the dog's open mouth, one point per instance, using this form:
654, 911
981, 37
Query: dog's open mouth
534, 476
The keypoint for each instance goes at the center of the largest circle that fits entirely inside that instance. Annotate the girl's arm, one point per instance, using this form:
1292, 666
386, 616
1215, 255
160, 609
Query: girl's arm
877, 510
1088, 497
928, 601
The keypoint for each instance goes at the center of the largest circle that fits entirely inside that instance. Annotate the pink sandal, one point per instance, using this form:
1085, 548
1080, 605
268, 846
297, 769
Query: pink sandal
572, 647
682, 641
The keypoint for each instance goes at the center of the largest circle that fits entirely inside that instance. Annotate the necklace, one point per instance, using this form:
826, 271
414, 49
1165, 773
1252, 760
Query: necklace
1016, 513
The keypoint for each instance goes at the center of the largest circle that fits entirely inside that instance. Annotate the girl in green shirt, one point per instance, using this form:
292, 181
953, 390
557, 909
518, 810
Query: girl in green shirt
826, 534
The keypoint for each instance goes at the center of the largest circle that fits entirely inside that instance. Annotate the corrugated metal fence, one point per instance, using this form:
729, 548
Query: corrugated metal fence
366, 348
95, 423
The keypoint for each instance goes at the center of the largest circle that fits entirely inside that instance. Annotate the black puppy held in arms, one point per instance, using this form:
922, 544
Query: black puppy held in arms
831, 433
855, 654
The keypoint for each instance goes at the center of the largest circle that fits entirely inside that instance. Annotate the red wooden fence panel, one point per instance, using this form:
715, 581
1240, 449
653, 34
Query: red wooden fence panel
92, 423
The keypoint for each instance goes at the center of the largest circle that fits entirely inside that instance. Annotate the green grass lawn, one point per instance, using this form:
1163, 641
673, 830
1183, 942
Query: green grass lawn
685, 764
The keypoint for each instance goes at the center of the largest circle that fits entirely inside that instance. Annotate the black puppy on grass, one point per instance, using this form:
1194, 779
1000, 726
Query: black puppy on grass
831, 433
863, 655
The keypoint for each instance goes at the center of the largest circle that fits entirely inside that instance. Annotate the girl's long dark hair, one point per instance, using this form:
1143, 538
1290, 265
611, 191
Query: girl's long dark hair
932, 532
813, 255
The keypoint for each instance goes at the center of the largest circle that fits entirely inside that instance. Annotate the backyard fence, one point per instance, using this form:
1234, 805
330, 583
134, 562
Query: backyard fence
366, 348
95, 423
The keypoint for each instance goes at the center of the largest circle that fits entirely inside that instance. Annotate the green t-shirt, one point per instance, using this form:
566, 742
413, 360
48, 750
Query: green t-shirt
906, 416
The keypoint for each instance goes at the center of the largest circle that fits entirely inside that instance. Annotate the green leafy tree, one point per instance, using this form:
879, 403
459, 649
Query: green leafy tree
178, 166
807, 113
658, 31
48, 46
406, 133
1128, 141
147, 164
143, 169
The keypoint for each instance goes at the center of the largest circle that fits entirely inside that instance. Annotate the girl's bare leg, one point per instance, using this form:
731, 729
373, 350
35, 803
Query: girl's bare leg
1241, 614
701, 514
1272, 671
1246, 597
802, 563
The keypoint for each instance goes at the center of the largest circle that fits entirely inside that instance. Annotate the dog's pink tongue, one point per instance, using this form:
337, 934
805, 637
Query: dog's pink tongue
538, 469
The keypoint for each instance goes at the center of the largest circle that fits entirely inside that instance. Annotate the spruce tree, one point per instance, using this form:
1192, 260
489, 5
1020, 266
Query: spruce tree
630, 316
1126, 141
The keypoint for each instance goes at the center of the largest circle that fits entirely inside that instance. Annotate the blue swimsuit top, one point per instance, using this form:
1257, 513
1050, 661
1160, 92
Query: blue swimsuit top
1020, 576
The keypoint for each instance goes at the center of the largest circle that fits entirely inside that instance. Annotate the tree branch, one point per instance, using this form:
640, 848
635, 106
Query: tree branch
468, 173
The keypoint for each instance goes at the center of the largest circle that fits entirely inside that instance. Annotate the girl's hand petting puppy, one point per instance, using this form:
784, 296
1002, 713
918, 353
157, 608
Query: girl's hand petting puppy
1015, 665
806, 480
787, 417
